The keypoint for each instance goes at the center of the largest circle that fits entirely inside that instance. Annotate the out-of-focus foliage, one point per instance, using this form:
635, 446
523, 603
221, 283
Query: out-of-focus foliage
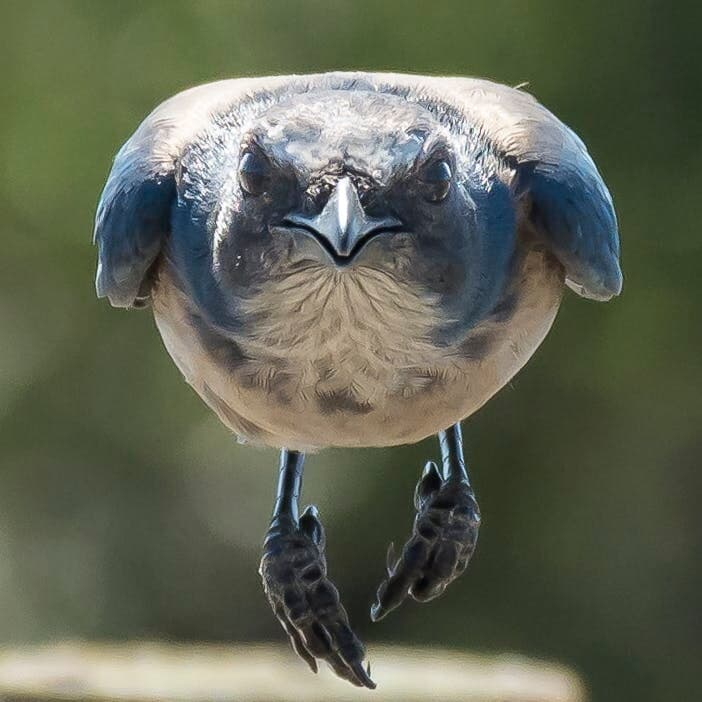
126, 510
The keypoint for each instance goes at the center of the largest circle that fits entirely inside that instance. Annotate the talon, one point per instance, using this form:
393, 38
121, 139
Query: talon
311, 525
310, 513
428, 484
294, 574
444, 535
390, 558
364, 676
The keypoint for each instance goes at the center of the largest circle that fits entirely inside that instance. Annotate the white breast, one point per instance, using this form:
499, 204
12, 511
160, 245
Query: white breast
354, 331
346, 360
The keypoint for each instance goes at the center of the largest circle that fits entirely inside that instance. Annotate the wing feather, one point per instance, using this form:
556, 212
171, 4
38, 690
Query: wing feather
565, 196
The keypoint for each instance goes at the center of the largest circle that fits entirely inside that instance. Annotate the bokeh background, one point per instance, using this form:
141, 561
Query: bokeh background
126, 510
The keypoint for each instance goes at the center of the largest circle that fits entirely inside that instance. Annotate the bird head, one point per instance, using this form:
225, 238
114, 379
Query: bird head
345, 182
343, 172
429, 182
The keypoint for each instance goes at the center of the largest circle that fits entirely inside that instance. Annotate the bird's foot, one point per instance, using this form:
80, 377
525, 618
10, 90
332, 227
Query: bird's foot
443, 540
306, 602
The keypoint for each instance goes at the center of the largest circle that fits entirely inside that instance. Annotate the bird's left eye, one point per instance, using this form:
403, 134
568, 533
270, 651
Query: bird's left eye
436, 180
254, 173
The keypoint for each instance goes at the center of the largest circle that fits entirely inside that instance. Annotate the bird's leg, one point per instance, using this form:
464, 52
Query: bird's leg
294, 573
444, 535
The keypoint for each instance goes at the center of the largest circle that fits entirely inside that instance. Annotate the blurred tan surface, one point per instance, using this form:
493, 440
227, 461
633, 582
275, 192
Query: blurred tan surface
145, 672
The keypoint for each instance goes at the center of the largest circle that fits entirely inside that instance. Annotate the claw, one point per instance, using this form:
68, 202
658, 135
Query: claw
352, 672
296, 640
390, 558
306, 602
443, 540
363, 676
430, 482
311, 525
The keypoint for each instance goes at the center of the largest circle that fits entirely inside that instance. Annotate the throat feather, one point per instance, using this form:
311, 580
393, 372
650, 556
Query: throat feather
357, 331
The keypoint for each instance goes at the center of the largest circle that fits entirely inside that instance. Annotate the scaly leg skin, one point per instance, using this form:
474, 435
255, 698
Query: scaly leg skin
444, 536
294, 573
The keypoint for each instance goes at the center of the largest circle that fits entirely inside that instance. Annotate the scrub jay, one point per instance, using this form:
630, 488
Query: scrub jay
354, 259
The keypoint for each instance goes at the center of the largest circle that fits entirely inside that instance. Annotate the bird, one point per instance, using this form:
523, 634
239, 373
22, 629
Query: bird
354, 259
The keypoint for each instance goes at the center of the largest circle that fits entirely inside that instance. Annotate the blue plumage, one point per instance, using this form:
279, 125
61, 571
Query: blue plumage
573, 211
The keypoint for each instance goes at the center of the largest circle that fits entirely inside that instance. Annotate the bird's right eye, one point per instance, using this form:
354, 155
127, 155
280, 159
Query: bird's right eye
254, 173
436, 179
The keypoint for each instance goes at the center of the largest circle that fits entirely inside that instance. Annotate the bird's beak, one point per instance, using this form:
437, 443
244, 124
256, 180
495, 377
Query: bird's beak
343, 227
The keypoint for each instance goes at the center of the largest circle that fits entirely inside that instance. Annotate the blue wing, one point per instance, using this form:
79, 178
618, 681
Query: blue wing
564, 196
570, 206
132, 222
134, 213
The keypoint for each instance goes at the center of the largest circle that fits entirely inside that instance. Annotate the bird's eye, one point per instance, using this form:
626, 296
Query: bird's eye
254, 173
436, 180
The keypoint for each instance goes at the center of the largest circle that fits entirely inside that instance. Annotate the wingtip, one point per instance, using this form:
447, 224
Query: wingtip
602, 289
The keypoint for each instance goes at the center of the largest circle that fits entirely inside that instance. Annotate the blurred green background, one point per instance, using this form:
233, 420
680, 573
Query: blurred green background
126, 510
